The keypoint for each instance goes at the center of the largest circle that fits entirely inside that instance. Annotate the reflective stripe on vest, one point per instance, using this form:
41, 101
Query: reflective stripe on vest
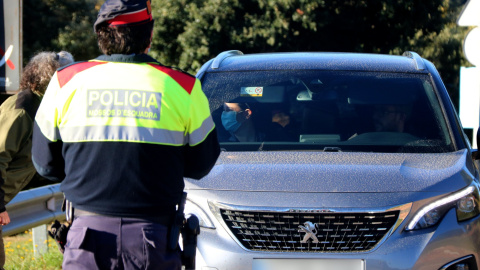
126, 133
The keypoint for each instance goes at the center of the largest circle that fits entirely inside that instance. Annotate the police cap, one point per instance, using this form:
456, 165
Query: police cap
124, 12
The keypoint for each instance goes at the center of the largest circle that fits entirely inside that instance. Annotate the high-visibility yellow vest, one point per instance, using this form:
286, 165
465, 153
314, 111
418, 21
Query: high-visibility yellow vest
93, 101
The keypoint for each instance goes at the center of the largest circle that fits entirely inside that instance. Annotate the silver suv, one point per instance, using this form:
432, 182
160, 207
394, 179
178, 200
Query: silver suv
335, 161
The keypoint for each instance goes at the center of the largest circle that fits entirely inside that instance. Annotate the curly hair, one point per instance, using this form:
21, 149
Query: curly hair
131, 39
40, 69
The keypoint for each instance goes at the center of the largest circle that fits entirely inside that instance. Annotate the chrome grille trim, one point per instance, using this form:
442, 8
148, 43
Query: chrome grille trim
271, 229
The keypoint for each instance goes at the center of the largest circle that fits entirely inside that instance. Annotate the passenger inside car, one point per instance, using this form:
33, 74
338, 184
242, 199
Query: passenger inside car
237, 119
282, 127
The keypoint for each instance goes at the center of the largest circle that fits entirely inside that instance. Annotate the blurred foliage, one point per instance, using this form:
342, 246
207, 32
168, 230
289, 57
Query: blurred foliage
189, 33
54, 25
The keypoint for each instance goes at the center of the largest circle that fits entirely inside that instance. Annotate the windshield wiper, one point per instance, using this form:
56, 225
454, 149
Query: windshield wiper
332, 149
261, 146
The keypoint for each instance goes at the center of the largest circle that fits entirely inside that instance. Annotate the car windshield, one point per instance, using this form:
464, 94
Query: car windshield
326, 111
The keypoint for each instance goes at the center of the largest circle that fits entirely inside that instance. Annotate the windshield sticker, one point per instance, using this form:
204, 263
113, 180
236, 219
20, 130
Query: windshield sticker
255, 91
124, 103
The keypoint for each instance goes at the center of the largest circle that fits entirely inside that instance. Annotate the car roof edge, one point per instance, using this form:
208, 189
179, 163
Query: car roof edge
222, 56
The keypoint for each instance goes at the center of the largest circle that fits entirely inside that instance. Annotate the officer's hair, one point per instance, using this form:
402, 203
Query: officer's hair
130, 39
37, 73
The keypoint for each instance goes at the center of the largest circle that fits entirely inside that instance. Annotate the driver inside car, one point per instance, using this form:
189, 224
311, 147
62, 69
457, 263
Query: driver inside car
390, 118
386, 118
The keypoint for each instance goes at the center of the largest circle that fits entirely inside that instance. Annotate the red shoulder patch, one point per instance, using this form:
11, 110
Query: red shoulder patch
66, 74
185, 80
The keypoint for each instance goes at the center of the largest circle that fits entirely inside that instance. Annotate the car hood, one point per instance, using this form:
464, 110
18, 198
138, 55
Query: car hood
336, 172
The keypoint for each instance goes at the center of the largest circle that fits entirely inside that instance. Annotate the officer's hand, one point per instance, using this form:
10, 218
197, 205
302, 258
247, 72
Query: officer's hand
4, 218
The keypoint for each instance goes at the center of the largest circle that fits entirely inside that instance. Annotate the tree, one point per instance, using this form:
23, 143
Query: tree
54, 25
189, 33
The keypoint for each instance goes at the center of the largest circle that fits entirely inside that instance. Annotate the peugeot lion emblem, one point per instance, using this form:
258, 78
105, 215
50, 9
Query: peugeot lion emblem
310, 231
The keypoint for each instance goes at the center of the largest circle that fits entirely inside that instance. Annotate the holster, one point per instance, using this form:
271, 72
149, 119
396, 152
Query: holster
190, 231
58, 231
178, 221
189, 228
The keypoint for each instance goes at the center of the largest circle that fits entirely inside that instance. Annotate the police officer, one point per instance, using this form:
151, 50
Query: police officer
121, 131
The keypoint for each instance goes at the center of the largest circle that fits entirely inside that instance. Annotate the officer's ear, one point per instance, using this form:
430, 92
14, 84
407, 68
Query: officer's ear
147, 50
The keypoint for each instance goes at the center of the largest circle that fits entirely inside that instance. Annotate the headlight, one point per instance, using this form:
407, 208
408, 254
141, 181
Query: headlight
193, 208
465, 201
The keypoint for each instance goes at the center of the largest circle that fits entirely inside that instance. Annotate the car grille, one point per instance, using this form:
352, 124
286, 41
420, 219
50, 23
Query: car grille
309, 232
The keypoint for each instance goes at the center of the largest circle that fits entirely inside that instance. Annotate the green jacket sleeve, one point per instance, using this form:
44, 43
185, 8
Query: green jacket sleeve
16, 131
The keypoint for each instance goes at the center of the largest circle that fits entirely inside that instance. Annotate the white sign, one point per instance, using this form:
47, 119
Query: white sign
471, 46
470, 77
469, 99
469, 15
469, 96
256, 91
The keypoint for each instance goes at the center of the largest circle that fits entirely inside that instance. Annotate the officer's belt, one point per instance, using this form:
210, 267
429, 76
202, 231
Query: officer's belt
163, 220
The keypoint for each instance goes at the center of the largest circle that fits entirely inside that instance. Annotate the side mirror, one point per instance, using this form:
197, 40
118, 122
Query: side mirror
475, 154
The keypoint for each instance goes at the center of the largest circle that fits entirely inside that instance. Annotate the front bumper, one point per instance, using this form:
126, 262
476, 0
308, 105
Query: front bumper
423, 249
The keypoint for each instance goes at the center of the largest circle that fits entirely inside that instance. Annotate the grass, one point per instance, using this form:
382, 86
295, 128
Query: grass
20, 255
